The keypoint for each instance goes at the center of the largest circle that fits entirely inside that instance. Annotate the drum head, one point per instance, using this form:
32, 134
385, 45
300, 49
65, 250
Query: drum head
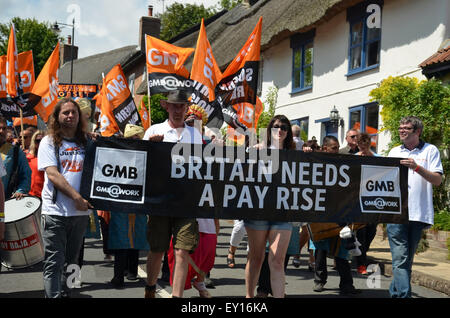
16, 210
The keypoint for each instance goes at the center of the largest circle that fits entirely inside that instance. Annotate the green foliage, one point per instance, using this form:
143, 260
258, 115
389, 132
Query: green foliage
442, 220
428, 100
271, 101
30, 35
157, 113
178, 18
229, 4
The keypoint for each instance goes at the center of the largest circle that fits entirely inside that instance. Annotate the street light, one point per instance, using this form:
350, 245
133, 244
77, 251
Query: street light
56, 29
335, 119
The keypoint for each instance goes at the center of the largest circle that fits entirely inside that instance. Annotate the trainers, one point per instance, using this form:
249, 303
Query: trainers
202, 291
132, 277
318, 287
362, 270
117, 282
150, 291
296, 262
350, 290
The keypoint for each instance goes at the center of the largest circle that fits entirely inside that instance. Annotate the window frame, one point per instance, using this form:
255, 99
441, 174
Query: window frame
363, 108
299, 42
354, 17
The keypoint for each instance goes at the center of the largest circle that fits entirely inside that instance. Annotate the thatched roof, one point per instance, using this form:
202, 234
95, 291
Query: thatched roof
89, 70
281, 19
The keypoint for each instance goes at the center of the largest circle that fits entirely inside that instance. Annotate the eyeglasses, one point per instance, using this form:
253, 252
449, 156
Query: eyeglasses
282, 127
405, 128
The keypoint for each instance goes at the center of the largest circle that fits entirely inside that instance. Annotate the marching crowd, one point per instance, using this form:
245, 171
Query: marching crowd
48, 164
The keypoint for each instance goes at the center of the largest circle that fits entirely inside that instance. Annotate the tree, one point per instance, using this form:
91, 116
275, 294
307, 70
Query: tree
428, 100
271, 101
178, 18
229, 4
157, 113
30, 35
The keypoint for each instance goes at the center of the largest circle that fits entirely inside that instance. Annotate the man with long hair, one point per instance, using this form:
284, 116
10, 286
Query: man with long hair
65, 213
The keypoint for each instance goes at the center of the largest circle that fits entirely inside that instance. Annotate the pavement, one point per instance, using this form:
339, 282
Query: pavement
431, 271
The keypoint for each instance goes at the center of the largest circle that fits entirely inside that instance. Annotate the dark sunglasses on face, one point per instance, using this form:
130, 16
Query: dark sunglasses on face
37, 140
282, 127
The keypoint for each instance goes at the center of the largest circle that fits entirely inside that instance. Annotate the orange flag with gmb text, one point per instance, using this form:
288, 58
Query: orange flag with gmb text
204, 67
165, 67
117, 105
44, 94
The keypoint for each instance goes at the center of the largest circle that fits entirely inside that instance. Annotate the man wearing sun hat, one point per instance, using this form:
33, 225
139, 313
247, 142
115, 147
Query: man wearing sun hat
161, 228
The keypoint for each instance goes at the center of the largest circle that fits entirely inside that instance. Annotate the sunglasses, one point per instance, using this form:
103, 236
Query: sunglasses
282, 127
37, 140
353, 137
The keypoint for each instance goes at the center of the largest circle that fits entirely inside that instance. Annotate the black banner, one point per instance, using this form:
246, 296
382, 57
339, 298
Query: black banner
160, 83
230, 183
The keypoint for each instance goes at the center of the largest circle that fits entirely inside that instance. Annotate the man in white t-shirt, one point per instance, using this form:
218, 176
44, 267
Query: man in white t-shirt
65, 212
425, 170
161, 228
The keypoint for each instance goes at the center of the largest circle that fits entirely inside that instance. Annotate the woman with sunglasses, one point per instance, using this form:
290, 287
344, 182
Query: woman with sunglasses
277, 234
37, 177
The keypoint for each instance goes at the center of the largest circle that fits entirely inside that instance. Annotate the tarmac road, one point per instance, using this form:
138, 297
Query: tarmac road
228, 283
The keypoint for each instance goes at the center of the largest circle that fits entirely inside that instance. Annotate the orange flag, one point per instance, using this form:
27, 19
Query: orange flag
165, 67
12, 66
44, 94
204, 67
30, 120
240, 80
26, 70
117, 107
106, 121
145, 115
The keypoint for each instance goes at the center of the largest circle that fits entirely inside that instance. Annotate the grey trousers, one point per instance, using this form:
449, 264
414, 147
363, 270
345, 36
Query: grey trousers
62, 238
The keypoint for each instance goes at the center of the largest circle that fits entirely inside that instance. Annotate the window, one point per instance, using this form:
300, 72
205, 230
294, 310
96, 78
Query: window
302, 61
303, 123
365, 119
365, 41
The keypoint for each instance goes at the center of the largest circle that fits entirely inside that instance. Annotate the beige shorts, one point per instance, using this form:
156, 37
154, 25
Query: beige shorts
161, 229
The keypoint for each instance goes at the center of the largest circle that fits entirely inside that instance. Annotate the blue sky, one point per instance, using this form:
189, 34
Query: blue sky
101, 25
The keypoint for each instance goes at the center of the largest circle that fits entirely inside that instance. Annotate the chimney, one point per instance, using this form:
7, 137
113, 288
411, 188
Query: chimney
148, 25
65, 51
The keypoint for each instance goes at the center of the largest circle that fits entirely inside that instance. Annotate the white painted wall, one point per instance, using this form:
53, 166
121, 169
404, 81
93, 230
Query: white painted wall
412, 30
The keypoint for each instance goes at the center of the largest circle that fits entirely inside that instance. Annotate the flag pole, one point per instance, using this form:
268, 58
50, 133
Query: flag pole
148, 90
21, 128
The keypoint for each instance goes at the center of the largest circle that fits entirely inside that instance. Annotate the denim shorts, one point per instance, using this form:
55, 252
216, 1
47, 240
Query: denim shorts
267, 225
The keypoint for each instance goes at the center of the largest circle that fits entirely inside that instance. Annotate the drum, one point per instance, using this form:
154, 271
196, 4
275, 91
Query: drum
22, 245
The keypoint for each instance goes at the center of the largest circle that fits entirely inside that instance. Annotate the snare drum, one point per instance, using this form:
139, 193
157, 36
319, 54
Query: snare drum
22, 244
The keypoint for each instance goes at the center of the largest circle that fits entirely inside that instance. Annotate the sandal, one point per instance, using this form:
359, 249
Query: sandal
230, 260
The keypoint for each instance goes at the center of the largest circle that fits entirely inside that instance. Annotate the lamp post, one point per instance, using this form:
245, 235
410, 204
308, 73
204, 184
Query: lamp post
56, 29
335, 119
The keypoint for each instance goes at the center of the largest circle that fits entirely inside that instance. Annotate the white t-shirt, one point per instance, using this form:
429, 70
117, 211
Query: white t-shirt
420, 191
188, 135
71, 158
